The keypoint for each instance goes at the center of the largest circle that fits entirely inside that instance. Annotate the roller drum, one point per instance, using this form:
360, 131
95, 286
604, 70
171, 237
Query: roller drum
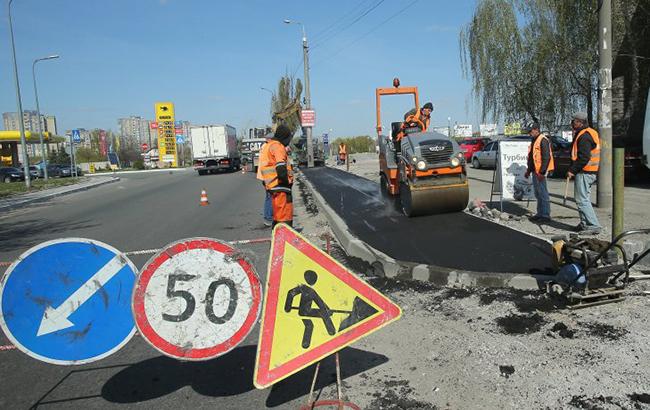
433, 200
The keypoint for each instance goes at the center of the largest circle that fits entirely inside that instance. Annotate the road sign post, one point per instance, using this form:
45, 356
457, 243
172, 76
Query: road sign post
313, 307
62, 301
196, 299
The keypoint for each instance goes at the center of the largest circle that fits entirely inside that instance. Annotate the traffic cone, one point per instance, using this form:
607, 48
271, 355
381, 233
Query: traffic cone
204, 198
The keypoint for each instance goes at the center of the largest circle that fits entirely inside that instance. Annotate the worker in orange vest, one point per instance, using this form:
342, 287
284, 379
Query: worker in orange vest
540, 162
343, 152
278, 176
263, 158
585, 162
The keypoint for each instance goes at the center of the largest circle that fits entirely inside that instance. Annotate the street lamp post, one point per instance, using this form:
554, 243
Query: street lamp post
23, 141
38, 112
272, 95
305, 56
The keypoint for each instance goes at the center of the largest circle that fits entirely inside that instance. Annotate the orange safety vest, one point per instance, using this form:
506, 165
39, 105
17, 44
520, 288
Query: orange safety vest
537, 154
263, 159
594, 161
276, 155
342, 149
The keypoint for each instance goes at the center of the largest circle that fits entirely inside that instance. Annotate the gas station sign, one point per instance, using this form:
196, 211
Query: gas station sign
166, 134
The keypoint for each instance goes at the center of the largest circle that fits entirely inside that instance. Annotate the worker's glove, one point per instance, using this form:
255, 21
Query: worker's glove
527, 174
540, 177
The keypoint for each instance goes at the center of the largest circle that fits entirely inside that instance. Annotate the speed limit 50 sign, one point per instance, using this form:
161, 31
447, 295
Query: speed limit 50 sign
196, 299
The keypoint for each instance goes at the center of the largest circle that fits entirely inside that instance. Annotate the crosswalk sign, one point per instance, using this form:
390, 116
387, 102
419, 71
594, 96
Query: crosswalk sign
313, 307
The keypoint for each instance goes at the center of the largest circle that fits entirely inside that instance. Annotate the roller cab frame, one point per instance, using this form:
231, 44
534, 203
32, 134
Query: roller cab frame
425, 169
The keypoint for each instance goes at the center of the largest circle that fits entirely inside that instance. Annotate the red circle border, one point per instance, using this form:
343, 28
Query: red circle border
157, 341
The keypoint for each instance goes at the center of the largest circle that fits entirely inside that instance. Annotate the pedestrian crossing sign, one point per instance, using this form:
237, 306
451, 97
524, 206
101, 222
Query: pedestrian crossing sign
313, 307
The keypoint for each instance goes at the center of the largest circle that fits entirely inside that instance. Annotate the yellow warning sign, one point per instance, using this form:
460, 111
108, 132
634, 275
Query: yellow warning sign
313, 307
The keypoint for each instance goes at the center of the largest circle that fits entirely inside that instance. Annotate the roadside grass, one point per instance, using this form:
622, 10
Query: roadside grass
15, 188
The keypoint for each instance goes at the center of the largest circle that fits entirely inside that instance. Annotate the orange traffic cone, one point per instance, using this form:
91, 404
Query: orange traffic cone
204, 198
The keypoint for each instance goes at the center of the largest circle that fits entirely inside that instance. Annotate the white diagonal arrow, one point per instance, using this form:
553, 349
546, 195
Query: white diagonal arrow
57, 319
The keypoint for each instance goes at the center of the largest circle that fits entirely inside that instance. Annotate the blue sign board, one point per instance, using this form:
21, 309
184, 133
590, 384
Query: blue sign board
76, 136
68, 301
180, 139
326, 138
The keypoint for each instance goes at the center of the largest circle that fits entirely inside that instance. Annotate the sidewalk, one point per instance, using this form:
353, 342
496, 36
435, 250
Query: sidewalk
18, 201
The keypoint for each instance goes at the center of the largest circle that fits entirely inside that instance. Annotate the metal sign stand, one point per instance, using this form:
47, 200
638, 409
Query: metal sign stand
339, 402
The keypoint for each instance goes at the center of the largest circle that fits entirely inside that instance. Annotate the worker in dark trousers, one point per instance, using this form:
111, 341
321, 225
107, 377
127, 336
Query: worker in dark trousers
263, 158
540, 162
278, 176
585, 162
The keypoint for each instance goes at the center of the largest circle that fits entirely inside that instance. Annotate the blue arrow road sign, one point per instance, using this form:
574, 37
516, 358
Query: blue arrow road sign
76, 136
68, 301
180, 139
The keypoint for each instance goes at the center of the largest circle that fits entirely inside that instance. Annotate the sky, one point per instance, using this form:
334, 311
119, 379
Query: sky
210, 58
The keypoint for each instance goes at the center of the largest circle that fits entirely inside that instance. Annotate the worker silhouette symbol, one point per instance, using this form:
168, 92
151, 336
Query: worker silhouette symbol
308, 297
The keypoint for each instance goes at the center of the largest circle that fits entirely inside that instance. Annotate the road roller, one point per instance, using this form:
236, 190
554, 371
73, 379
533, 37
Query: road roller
426, 170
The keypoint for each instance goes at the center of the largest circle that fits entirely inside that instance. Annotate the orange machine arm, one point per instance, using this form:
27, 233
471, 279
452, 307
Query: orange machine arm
394, 91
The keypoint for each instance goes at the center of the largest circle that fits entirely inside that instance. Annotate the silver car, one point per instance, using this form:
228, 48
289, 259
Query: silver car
487, 157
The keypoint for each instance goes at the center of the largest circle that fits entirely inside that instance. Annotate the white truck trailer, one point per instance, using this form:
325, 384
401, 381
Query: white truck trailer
214, 148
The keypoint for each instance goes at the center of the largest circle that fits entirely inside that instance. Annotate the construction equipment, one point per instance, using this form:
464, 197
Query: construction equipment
426, 169
593, 272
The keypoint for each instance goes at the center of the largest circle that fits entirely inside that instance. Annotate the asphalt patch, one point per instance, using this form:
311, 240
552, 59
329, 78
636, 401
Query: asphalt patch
603, 331
307, 198
526, 301
506, 371
595, 403
563, 330
397, 395
640, 398
515, 324
392, 285
453, 240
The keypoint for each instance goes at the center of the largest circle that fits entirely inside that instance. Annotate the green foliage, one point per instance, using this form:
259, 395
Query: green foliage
285, 104
59, 157
361, 143
532, 58
138, 164
85, 154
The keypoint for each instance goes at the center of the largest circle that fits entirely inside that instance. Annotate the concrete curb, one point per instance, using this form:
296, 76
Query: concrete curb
143, 171
384, 265
28, 201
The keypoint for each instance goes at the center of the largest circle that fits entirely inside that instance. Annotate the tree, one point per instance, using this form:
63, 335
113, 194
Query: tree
285, 104
532, 57
631, 69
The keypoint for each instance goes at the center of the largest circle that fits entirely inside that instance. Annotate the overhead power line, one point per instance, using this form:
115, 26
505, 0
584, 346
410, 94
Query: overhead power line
377, 27
347, 26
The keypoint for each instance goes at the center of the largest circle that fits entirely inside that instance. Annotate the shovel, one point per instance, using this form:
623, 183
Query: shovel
566, 191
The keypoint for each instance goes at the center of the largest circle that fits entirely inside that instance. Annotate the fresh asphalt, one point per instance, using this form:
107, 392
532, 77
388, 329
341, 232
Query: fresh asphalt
145, 211
454, 240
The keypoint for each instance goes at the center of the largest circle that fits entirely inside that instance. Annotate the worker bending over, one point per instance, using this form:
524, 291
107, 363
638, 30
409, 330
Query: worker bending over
278, 176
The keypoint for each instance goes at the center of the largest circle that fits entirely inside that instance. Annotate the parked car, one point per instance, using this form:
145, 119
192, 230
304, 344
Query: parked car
66, 171
34, 172
470, 146
11, 174
487, 157
561, 156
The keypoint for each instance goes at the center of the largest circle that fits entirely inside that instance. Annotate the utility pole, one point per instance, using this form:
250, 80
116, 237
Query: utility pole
21, 120
305, 57
605, 182
38, 113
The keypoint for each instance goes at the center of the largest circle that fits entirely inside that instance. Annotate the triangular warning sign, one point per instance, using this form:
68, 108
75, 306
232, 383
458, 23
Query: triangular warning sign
313, 307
